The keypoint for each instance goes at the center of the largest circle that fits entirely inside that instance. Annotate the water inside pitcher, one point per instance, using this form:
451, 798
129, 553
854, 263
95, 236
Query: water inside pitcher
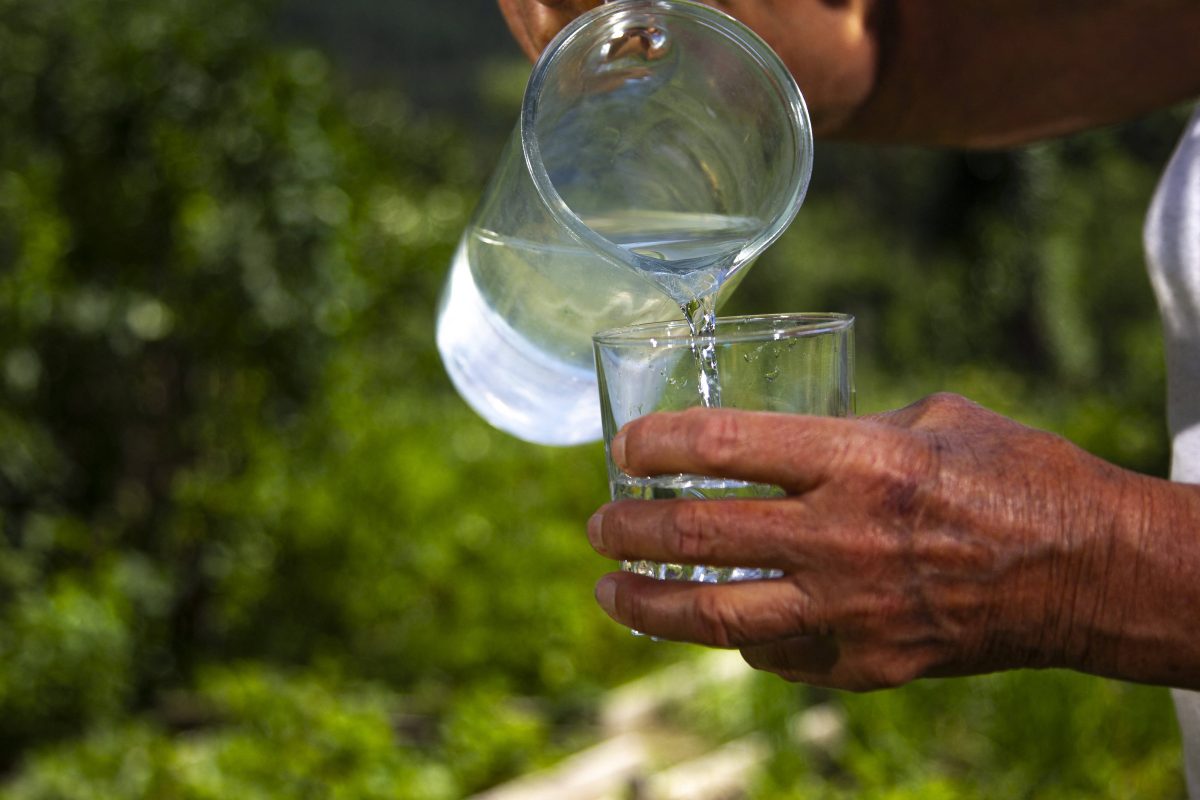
661, 147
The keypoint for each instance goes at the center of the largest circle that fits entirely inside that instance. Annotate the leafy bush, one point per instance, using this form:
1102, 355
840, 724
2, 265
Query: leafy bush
254, 546
278, 738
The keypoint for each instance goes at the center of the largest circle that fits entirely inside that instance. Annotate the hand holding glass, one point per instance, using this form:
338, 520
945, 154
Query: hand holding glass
793, 363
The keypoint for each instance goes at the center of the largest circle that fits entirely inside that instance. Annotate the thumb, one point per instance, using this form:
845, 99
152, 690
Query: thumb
534, 23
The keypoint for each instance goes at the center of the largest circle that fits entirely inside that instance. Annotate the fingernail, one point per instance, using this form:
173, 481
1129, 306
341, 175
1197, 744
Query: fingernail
594, 533
617, 449
606, 591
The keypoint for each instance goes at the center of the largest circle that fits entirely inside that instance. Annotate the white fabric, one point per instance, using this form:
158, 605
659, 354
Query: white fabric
1172, 238
1187, 704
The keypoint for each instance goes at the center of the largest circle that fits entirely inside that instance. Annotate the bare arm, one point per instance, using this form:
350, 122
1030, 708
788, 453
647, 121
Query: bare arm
975, 73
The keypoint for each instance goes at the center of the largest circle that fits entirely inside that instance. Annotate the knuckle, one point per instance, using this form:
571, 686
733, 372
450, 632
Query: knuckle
716, 621
786, 673
688, 532
947, 401
714, 440
890, 672
936, 409
948, 405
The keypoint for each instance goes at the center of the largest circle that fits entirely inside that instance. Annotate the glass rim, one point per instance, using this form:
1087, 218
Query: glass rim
764, 327
714, 18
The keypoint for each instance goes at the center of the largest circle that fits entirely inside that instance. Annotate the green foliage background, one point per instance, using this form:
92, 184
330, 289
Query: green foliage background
253, 544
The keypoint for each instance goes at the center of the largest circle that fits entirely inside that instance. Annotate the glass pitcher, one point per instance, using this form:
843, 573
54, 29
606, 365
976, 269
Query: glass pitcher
661, 146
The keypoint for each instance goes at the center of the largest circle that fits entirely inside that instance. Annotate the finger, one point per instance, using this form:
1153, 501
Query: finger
575, 7
721, 615
518, 21
728, 533
829, 661
794, 451
533, 23
805, 659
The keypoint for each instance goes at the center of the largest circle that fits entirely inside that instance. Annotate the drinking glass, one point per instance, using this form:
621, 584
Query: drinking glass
792, 363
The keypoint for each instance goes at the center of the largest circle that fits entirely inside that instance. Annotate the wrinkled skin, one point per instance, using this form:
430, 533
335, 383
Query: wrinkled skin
940, 539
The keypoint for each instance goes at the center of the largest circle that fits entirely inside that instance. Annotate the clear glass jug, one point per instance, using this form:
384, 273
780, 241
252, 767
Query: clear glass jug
661, 147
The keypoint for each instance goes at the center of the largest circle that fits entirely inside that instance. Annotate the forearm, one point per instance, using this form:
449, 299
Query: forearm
988, 73
981, 73
1136, 608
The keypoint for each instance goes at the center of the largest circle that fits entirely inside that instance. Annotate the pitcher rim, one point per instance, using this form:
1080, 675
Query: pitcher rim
738, 33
